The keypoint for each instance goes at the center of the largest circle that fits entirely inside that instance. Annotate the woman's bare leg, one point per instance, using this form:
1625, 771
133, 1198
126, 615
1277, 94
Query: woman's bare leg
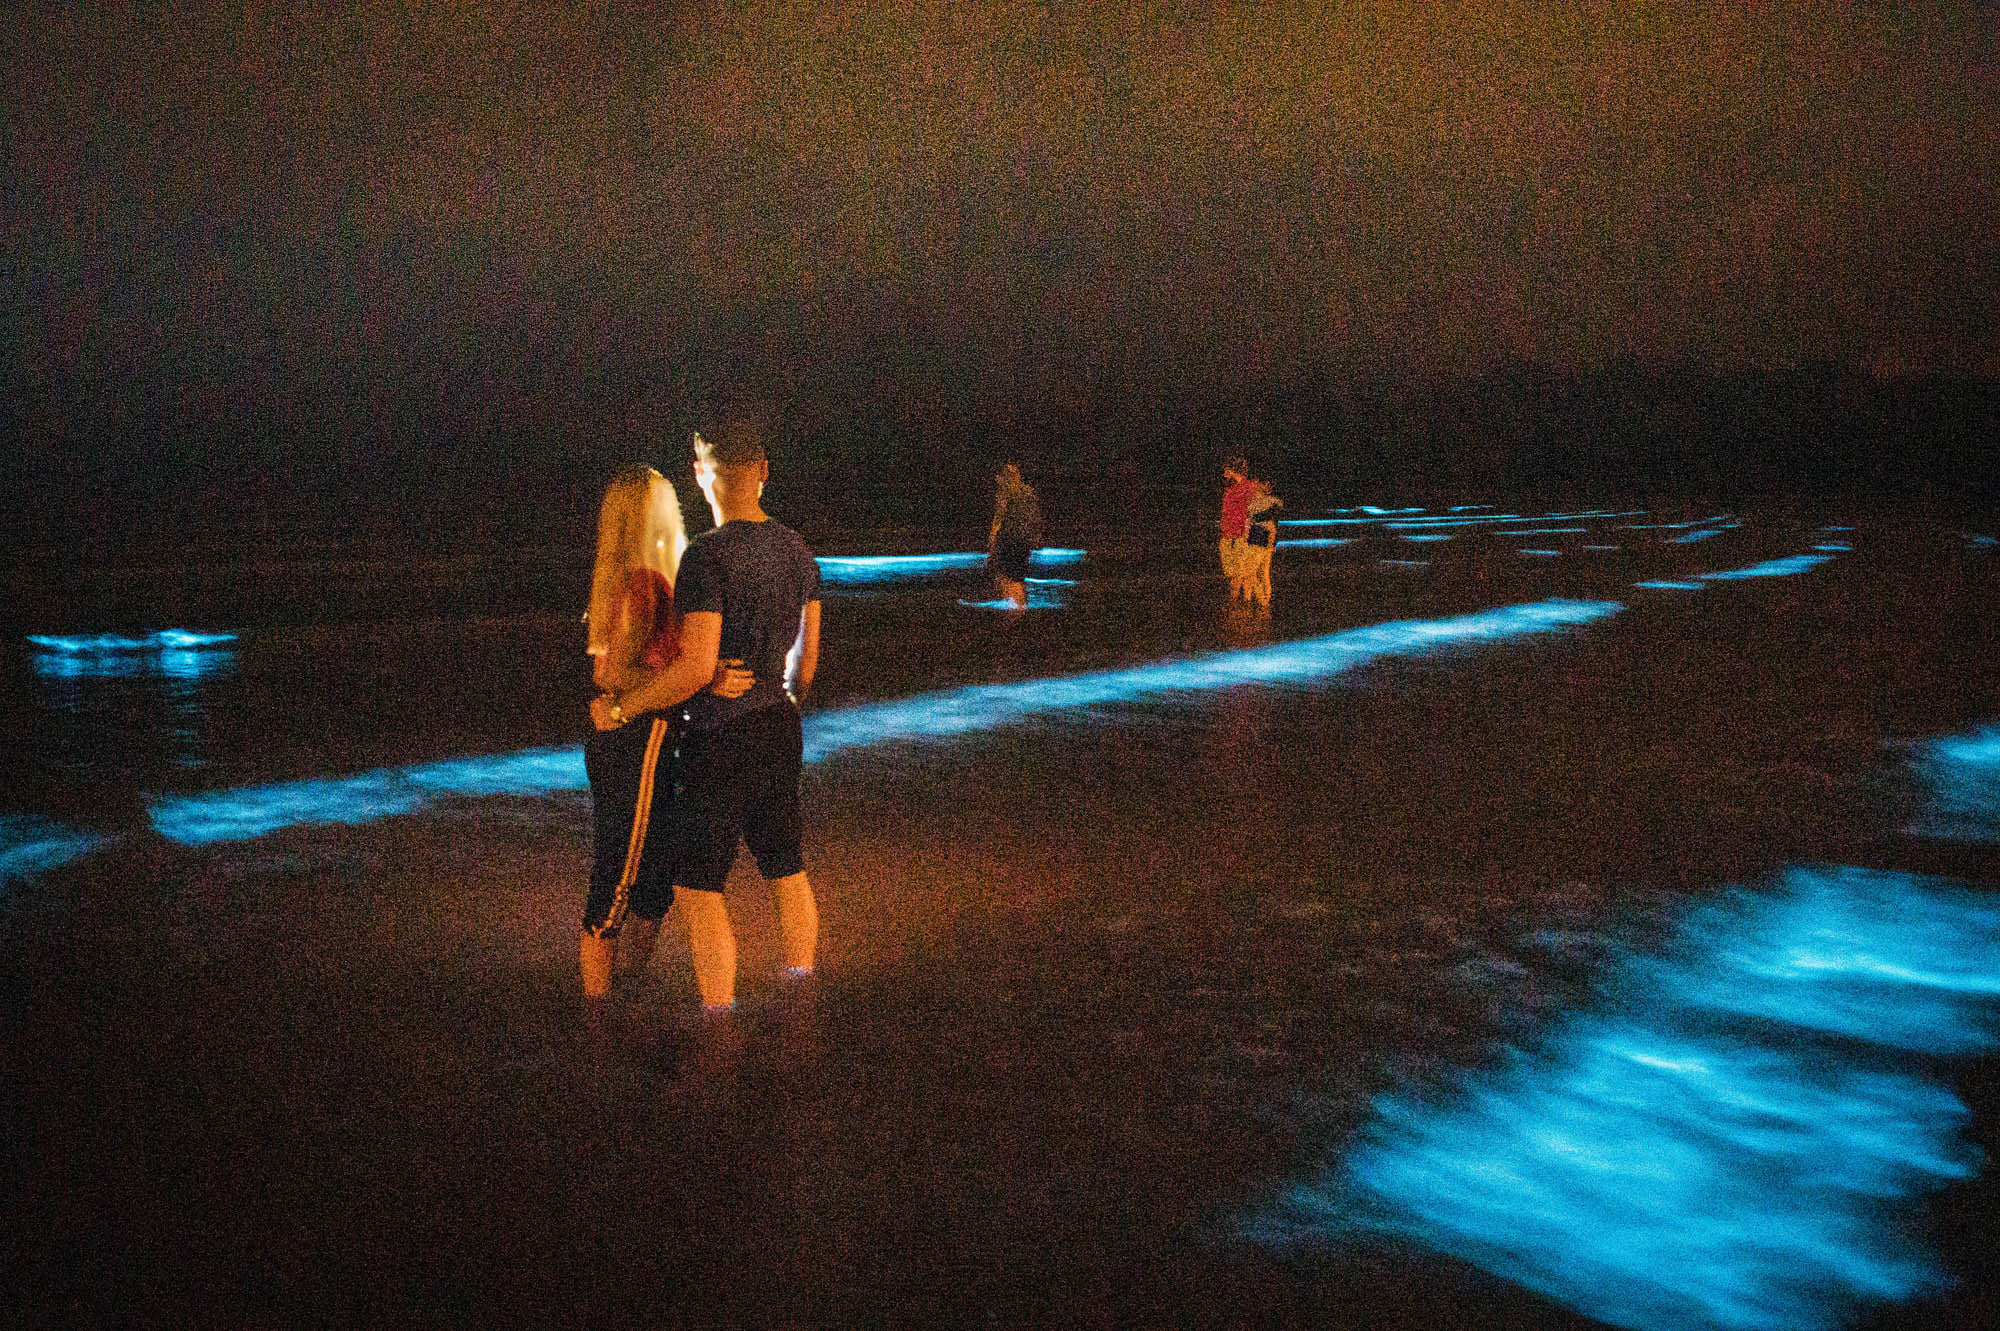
635, 953
594, 959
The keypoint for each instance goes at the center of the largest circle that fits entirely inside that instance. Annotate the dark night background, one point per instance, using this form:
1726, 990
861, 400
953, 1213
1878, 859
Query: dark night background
419, 278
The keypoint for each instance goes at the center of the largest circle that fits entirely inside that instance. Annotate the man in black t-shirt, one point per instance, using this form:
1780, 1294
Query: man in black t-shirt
748, 590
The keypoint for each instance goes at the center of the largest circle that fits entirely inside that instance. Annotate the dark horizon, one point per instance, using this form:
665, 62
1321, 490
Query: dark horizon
413, 265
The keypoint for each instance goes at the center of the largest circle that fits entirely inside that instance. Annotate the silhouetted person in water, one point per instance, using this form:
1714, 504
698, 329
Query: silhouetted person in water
1017, 530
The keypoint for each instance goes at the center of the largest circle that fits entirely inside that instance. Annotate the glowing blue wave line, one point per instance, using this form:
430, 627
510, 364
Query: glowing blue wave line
235, 815
873, 570
103, 643
30, 845
1694, 536
1720, 1148
1313, 542
983, 707
1669, 585
1770, 568
1960, 778
1326, 522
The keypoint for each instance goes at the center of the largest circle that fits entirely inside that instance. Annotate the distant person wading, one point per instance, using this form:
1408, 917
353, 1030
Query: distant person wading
1017, 530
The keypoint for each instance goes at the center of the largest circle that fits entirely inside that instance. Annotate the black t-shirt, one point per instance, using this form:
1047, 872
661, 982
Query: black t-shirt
758, 576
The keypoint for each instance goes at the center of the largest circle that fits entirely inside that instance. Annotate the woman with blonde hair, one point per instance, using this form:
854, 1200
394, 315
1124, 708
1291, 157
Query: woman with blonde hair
633, 627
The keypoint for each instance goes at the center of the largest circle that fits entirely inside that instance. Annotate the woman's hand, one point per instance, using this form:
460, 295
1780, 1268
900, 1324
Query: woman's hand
731, 679
603, 713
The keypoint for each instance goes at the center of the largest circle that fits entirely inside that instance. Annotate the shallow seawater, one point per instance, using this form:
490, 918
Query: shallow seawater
1503, 937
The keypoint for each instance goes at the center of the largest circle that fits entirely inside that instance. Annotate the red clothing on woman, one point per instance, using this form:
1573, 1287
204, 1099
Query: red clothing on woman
652, 598
1236, 509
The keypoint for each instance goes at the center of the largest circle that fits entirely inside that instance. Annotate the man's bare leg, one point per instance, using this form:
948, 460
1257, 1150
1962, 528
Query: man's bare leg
798, 922
713, 944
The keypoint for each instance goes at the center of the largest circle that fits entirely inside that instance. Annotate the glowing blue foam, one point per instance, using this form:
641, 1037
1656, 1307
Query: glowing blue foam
873, 570
876, 570
1770, 568
1313, 542
1542, 531
30, 845
983, 707
1735, 1143
1960, 780
1377, 512
1325, 522
172, 653
1550, 553
1694, 536
1668, 585
1427, 536
1834, 546
1479, 521
1466, 508
104, 643
239, 815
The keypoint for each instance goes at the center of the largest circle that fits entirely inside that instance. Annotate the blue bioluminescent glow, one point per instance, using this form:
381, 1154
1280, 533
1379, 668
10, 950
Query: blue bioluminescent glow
1549, 553
242, 814
1694, 536
1313, 542
1737, 1140
878, 570
1466, 508
1405, 563
1480, 521
1325, 522
983, 707
1770, 568
175, 654
1836, 529
1378, 512
1043, 594
1960, 780
1513, 532
239, 815
1428, 536
1050, 582
30, 845
1600, 547
1668, 585
1600, 513
105, 643
871, 570
1982, 542
1835, 546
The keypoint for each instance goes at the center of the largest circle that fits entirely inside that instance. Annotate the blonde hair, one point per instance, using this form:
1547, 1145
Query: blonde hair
638, 526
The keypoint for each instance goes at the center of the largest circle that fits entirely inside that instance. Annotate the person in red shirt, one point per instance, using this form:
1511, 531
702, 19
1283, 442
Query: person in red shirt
1234, 544
633, 627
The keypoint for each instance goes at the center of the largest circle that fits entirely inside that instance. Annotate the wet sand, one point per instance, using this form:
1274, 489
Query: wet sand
1090, 994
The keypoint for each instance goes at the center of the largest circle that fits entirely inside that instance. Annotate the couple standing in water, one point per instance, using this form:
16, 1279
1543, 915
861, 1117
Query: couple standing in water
701, 651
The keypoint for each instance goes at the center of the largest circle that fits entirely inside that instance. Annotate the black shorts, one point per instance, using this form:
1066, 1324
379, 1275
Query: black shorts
740, 784
1009, 559
631, 772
